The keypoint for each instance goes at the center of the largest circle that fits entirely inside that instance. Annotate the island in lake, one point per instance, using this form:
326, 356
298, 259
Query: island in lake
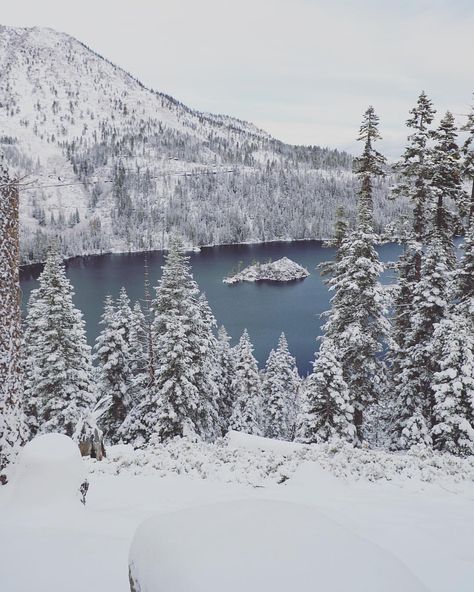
282, 270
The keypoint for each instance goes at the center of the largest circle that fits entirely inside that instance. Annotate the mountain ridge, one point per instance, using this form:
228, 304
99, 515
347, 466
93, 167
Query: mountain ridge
142, 165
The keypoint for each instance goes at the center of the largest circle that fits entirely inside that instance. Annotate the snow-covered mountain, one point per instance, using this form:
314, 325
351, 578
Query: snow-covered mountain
112, 165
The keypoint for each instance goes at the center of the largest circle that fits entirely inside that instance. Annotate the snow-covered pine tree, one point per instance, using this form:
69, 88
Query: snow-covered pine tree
431, 301
281, 384
430, 298
415, 173
182, 398
226, 365
468, 164
148, 314
209, 375
326, 411
465, 276
124, 314
276, 420
369, 166
452, 346
114, 376
446, 182
58, 365
357, 321
138, 341
12, 422
247, 413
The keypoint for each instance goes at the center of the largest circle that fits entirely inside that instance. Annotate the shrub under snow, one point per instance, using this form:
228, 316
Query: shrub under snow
240, 458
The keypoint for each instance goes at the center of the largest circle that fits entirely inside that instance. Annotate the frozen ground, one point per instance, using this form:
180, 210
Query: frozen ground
418, 511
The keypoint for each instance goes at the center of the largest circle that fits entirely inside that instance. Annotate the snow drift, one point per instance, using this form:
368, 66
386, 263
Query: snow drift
259, 546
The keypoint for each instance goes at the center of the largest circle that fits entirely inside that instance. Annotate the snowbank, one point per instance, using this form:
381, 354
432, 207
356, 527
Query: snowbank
259, 546
282, 270
49, 473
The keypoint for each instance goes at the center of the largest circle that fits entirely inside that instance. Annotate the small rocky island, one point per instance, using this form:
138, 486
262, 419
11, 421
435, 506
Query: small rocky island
282, 270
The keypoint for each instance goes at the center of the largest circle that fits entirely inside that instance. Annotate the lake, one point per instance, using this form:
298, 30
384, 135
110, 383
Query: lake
265, 309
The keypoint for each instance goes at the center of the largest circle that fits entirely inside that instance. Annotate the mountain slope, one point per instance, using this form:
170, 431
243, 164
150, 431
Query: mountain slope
113, 165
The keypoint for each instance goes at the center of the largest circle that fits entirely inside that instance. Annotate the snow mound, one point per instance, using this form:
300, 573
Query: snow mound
259, 546
282, 270
239, 440
49, 472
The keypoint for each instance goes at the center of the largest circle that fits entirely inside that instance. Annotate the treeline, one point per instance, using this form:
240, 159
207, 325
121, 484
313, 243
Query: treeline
162, 368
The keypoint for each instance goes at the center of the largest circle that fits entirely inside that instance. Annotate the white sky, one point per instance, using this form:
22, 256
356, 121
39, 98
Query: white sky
304, 70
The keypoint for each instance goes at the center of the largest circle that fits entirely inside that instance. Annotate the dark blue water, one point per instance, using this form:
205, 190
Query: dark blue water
265, 309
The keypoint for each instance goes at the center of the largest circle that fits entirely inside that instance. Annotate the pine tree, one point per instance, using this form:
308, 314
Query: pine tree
138, 354
468, 165
465, 276
114, 376
431, 303
356, 321
58, 360
247, 412
368, 166
281, 384
276, 418
415, 174
183, 397
415, 170
124, 314
327, 412
226, 364
13, 431
453, 386
446, 181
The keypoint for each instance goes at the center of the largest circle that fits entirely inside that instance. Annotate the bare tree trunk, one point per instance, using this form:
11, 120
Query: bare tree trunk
12, 427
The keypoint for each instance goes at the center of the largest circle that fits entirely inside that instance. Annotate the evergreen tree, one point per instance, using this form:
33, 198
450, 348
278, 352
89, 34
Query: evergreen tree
327, 412
183, 397
453, 386
446, 180
276, 418
58, 364
465, 276
415, 171
124, 314
413, 383
13, 430
468, 164
247, 411
114, 376
356, 321
281, 384
368, 166
341, 226
415, 174
226, 363
138, 354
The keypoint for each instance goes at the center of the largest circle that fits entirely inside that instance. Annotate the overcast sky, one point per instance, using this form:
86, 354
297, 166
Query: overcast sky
304, 70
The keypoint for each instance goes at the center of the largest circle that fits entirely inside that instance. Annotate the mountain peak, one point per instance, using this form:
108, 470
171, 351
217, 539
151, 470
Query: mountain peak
68, 114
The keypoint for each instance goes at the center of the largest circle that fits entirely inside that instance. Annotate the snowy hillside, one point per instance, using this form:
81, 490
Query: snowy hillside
112, 165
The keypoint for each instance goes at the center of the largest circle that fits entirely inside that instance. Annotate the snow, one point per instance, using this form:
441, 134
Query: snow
282, 270
49, 472
256, 545
412, 510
